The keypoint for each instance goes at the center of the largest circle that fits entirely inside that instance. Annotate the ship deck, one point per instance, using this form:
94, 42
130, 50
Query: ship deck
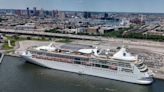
72, 50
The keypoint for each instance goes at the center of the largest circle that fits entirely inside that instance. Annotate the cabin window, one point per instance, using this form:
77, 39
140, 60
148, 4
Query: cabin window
97, 65
43, 49
60, 56
93, 59
72, 58
104, 66
113, 67
33, 52
128, 65
126, 70
82, 59
56, 55
114, 64
109, 63
87, 63
67, 57
121, 64
48, 54
77, 62
77, 58
39, 53
103, 61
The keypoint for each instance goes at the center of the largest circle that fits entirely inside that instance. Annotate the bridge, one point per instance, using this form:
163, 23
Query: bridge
46, 34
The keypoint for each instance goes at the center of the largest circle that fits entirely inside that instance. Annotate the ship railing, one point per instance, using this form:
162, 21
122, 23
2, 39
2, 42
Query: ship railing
144, 69
82, 56
142, 66
139, 61
87, 63
63, 53
75, 54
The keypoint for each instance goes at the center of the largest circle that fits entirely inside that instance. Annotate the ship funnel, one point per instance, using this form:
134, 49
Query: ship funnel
124, 55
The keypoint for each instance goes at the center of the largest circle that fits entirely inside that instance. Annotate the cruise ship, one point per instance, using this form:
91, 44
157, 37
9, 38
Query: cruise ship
116, 64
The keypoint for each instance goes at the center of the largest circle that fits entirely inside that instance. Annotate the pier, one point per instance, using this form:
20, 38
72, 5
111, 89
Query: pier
1, 57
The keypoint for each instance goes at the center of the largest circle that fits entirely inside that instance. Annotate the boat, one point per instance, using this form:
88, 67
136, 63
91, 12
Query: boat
116, 64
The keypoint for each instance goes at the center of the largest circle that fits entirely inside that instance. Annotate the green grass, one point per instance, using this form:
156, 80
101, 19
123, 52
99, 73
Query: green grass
14, 39
6, 47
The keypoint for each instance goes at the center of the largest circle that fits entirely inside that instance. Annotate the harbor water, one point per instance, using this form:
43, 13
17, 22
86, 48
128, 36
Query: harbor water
16, 75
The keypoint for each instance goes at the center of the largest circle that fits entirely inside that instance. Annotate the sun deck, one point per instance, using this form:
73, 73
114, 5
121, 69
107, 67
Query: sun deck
72, 50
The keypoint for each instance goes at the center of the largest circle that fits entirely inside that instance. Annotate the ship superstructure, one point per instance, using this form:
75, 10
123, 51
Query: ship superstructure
115, 64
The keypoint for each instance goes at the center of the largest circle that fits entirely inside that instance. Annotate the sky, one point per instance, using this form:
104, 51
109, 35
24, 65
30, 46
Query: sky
152, 6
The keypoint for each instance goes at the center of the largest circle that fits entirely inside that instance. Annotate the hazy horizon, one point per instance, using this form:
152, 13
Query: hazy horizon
139, 6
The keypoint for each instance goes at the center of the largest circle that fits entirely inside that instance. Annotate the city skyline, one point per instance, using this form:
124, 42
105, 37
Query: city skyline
152, 6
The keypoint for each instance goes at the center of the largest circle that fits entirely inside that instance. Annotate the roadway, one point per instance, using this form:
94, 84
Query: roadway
46, 34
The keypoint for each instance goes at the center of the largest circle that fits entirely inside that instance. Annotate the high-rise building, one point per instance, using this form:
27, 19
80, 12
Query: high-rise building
105, 15
87, 15
47, 13
61, 15
34, 11
37, 12
28, 12
18, 12
55, 13
41, 13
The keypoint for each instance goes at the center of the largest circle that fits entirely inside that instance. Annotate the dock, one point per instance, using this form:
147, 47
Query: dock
1, 57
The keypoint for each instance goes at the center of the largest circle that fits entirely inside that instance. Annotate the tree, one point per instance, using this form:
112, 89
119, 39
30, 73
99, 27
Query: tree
16, 37
55, 30
28, 38
43, 38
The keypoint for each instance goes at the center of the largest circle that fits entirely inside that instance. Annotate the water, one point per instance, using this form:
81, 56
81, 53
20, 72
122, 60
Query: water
18, 76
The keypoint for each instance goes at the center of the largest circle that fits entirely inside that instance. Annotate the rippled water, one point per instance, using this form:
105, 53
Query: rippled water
18, 76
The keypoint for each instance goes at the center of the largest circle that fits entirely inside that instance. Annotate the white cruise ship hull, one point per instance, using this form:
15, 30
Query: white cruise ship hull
88, 70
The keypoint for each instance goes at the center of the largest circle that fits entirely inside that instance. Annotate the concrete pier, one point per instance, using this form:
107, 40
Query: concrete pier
1, 57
